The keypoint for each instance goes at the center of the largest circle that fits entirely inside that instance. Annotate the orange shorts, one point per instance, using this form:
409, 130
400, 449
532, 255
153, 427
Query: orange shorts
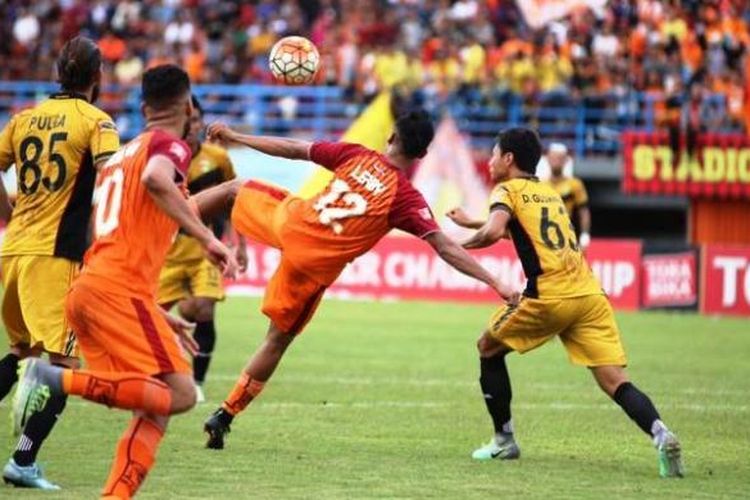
291, 296
122, 334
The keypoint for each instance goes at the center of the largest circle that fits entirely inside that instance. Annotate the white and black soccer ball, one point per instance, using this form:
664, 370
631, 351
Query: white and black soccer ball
294, 60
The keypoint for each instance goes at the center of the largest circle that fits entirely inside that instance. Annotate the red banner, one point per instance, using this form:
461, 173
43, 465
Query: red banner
407, 268
725, 280
670, 280
719, 167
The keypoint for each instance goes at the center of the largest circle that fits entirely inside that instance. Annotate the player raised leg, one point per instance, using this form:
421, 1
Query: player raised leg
367, 196
250, 384
45, 239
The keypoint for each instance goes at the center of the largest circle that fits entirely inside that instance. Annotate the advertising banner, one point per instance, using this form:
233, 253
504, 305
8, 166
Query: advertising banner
407, 268
725, 282
719, 168
670, 280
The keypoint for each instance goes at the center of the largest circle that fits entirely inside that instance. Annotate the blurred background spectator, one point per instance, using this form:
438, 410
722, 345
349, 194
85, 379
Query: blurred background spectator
679, 53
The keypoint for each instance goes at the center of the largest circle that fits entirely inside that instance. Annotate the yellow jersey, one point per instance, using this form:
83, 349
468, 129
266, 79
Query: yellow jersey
573, 193
544, 239
209, 167
54, 147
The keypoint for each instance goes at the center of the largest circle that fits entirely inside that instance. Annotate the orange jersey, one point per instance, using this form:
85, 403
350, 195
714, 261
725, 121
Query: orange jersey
367, 197
133, 235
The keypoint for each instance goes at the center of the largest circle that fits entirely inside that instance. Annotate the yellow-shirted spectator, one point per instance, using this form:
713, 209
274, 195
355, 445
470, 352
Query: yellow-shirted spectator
262, 42
445, 71
391, 68
473, 58
415, 73
516, 71
552, 71
676, 28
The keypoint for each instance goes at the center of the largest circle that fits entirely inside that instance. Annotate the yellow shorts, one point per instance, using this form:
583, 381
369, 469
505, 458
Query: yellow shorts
193, 278
586, 325
34, 302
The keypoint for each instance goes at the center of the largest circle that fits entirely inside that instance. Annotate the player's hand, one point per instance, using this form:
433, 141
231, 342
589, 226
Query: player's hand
220, 132
459, 216
240, 254
184, 331
222, 257
507, 293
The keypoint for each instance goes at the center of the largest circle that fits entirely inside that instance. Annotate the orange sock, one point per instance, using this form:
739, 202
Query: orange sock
244, 391
134, 457
129, 391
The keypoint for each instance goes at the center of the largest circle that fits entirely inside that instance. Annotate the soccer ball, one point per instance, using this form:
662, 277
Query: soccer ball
294, 60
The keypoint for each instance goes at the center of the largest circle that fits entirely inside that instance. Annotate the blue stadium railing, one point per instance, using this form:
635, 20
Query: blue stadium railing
589, 126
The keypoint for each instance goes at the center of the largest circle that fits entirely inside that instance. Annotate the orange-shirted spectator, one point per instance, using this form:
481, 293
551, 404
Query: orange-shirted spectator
195, 62
638, 41
692, 52
734, 93
112, 47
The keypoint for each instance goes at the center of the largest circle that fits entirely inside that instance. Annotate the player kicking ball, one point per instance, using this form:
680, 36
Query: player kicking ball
562, 298
368, 196
130, 345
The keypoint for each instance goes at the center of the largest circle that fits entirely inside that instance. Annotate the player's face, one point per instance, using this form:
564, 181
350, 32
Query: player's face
557, 162
499, 164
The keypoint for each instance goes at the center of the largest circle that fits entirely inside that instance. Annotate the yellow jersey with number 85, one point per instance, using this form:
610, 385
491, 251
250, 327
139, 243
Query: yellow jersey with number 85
54, 147
544, 239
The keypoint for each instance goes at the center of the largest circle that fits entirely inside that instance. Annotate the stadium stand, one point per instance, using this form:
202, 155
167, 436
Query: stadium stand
636, 64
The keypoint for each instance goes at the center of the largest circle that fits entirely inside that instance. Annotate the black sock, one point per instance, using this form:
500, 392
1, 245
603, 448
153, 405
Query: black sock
495, 383
37, 429
205, 336
637, 405
8, 373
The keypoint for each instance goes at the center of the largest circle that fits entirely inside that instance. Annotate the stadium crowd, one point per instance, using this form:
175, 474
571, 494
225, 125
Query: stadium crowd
675, 52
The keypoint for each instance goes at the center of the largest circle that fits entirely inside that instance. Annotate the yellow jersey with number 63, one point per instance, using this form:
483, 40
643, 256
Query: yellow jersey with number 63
544, 239
54, 147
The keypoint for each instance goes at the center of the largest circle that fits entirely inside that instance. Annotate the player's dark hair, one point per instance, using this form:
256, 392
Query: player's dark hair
78, 64
196, 104
415, 131
163, 85
525, 145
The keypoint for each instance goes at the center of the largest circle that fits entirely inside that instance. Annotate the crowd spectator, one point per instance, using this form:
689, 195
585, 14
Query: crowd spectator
436, 50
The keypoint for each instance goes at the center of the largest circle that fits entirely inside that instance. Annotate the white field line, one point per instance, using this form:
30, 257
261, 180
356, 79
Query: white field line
276, 405
438, 382
562, 407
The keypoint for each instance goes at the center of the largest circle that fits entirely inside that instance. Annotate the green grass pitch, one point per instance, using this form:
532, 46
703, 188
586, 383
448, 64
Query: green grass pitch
381, 400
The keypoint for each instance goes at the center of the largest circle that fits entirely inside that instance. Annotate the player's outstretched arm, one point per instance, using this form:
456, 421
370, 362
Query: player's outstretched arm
458, 258
490, 232
293, 149
460, 217
218, 200
158, 177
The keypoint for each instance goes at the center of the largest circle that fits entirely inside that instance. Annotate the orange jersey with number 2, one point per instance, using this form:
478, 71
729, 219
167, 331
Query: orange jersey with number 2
366, 199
